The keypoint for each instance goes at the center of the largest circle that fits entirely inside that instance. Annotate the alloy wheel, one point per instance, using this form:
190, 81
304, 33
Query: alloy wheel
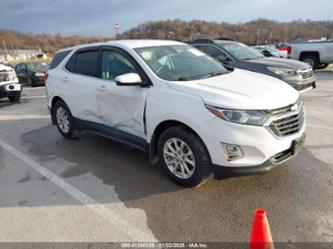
179, 158
63, 120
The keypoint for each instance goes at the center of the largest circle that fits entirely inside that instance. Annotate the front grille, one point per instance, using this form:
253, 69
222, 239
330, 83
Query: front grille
288, 120
306, 73
4, 77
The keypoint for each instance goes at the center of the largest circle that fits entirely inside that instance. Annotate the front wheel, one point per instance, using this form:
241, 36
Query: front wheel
64, 120
312, 60
322, 66
32, 82
15, 98
184, 156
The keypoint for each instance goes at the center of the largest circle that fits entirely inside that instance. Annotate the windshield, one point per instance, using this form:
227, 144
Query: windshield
180, 62
242, 52
38, 66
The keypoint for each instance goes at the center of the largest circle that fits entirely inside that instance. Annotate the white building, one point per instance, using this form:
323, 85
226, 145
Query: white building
21, 55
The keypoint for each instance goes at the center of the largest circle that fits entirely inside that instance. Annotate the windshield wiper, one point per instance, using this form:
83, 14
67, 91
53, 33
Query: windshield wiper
182, 79
212, 75
248, 59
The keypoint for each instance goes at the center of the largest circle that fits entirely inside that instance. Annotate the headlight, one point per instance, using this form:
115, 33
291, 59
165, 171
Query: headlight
282, 71
12, 77
239, 116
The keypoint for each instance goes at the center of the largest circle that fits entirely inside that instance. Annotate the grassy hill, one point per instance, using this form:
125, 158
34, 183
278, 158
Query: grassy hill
268, 30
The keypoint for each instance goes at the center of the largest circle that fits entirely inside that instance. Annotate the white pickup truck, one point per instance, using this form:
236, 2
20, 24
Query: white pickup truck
318, 54
9, 86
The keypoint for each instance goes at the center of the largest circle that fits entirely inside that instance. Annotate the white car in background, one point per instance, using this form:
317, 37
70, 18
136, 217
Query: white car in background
9, 86
178, 104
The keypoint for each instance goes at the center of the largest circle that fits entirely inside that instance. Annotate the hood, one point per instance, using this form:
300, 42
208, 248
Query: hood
4, 68
240, 89
280, 63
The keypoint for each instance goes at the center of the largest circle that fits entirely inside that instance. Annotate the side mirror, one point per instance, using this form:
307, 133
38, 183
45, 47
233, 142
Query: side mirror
266, 53
128, 79
222, 58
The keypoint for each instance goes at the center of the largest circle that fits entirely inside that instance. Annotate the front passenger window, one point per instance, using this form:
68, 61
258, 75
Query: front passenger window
115, 64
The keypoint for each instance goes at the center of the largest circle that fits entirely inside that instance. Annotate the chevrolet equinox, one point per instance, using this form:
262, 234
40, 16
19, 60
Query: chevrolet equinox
178, 104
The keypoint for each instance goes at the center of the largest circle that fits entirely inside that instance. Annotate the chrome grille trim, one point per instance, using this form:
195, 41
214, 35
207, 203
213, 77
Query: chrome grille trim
305, 73
287, 121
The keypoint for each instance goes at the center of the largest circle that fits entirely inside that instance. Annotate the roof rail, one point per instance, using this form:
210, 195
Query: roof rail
202, 41
224, 38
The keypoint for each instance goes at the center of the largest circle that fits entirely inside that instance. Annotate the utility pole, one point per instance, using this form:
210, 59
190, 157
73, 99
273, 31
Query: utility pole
270, 36
258, 36
116, 27
4, 45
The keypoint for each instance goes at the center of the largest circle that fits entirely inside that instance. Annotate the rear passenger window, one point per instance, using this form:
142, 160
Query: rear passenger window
58, 57
86, 63
70, 66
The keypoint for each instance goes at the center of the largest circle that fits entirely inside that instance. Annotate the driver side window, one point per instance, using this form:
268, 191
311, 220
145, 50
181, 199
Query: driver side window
115, 64
212, 51
21, 68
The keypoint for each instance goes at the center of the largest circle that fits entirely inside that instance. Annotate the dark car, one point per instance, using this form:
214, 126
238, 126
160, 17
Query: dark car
237, 55
32, 73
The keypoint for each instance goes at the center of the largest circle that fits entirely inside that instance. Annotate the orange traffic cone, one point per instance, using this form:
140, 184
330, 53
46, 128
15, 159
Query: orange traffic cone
261, 234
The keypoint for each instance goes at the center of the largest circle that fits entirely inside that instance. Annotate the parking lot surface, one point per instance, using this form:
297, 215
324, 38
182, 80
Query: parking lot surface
95, 189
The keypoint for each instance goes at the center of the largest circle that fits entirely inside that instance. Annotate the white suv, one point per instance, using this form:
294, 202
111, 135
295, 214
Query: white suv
178, 104
9, 84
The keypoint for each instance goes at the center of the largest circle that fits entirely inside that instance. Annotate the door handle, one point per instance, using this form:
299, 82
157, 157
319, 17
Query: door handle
102, 88
65, 79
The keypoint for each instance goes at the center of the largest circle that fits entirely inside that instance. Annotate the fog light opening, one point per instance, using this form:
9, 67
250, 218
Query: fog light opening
232, 152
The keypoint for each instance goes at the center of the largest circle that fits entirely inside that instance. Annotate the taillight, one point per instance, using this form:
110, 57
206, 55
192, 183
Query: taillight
288, 49
46, 76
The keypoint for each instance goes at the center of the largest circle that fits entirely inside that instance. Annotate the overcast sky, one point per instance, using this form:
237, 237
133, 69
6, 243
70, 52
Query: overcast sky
97, 17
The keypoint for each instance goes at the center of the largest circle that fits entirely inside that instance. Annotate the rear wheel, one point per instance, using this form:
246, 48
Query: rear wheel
64, 120
183, 156
15, 98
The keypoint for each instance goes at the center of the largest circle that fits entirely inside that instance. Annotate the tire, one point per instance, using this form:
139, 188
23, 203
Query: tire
33, 82
15, 98
312, 60
195, 172
64, 120
322, 66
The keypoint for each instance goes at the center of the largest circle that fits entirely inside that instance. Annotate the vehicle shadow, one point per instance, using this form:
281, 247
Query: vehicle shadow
215, 211
5, 103
116, 164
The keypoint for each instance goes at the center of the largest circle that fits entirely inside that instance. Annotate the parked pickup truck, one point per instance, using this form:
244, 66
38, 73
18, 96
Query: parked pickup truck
318, 54
9, 86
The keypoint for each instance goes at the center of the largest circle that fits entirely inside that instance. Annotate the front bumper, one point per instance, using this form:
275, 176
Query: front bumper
259, 145
10, 89
38, 80
301, 84
222, 172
